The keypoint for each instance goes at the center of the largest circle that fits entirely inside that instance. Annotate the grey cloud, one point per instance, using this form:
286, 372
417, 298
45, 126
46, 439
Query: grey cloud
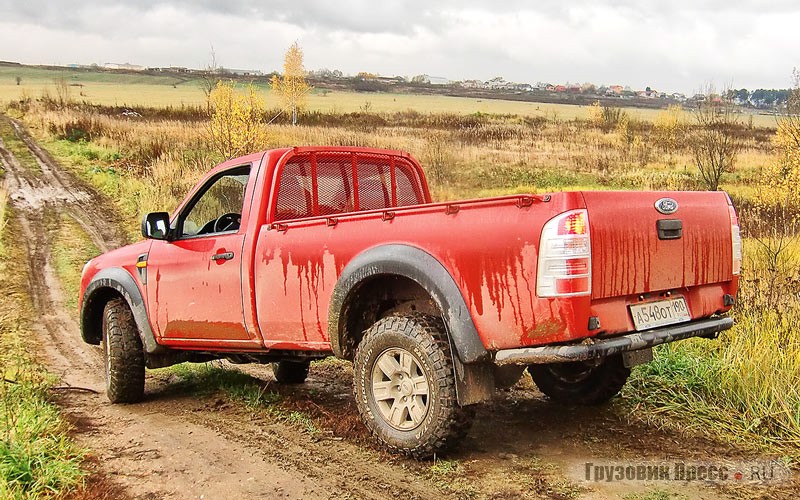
360, 16
607, 41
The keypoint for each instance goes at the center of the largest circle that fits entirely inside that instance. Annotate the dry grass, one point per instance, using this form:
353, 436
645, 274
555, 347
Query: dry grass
742, 387
3, 205
149, 163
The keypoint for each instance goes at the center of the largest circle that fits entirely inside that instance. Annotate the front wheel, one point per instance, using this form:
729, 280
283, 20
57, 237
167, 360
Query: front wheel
123, 354
581, 382
404, 386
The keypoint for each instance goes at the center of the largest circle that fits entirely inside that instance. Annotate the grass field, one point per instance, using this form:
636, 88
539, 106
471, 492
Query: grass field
131, 89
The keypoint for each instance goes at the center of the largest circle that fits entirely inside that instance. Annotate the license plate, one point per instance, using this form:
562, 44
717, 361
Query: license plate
659, 313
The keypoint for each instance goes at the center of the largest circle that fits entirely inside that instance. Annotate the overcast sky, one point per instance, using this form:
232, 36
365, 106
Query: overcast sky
678, 45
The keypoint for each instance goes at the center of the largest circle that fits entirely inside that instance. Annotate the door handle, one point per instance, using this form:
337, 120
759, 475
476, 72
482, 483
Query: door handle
222, 256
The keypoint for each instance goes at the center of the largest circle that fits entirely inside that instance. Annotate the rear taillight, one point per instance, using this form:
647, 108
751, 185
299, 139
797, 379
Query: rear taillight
736, 241
565, 256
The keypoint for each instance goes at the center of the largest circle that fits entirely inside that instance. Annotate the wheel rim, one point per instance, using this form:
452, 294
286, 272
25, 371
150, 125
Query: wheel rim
400, 389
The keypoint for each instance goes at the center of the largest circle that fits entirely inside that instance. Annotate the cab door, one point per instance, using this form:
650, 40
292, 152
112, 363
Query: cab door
195, 280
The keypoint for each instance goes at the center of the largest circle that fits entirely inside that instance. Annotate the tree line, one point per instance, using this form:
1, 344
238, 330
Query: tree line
761, 97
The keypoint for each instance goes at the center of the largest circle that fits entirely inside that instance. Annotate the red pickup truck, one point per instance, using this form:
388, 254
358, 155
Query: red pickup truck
295, 254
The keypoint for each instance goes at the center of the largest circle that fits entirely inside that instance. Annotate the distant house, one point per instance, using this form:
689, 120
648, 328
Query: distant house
615, 89
473, 84
560, 88
390, 79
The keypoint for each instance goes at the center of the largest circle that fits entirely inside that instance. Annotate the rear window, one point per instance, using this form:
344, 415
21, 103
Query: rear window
344, 182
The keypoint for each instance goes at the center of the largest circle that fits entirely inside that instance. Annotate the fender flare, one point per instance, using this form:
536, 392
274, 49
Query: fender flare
115, 281
425, 270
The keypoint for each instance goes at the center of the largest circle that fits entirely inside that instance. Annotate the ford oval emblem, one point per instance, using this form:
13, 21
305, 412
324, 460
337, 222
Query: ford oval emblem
667, 206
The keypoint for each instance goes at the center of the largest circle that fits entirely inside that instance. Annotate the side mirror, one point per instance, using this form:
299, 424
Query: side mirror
155, 225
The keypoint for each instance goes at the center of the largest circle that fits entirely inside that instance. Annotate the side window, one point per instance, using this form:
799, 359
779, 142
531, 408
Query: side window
333, 191
219, 207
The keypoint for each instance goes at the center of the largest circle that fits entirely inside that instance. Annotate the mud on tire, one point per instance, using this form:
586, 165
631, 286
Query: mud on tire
404, 386
123, 354
581, 382
290, 372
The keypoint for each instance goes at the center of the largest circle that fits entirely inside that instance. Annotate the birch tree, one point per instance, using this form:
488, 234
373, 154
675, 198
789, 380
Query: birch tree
292, 87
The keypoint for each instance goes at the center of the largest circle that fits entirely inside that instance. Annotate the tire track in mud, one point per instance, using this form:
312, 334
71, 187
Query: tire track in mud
74, 198
168, 446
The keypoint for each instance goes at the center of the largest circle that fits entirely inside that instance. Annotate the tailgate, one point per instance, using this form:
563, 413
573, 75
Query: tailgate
630, 257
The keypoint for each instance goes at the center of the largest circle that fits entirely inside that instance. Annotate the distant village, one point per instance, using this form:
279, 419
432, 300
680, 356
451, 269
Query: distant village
772, 99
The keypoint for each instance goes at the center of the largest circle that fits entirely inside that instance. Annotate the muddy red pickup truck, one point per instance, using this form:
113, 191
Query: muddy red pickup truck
292, 255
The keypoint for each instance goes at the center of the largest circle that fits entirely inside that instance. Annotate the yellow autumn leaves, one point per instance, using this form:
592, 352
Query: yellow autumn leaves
236, 125
781, 179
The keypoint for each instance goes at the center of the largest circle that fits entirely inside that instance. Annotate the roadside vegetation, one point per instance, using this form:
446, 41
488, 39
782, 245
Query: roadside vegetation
741, 388
37, 457
16, 146
72, 247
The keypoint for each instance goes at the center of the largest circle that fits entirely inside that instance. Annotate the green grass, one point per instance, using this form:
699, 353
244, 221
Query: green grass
443, 468
741, 388
37, 457
72, 247
209, 378
15, 145
449, 476
655, 494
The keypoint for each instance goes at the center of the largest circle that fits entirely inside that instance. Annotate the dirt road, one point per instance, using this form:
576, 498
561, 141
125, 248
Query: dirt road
178, 446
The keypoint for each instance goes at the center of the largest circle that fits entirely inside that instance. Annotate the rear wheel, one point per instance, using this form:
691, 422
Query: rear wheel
404, 386
290, 372
581, 382
123, 354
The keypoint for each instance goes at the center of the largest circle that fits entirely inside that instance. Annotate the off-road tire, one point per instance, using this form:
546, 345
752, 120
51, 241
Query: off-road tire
123, 354
581, 383
290, 372
445, 423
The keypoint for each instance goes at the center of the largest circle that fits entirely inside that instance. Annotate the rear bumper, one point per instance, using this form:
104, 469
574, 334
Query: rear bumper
598, 348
